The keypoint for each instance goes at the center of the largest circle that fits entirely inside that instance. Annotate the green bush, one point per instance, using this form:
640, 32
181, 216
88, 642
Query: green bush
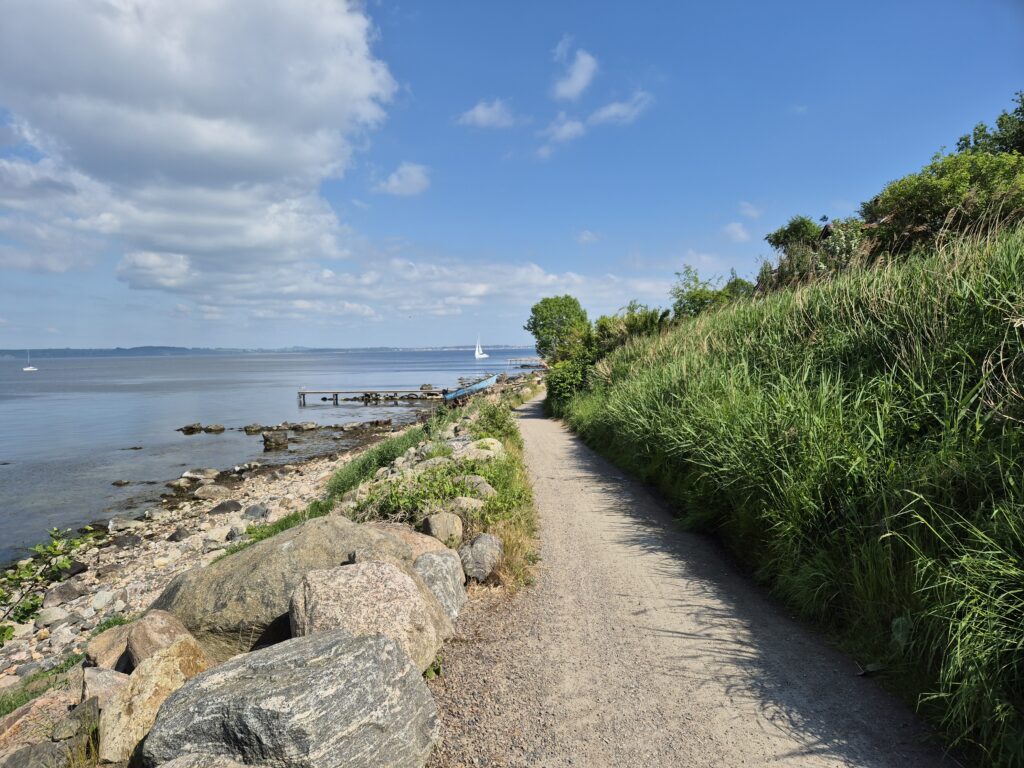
953, 194
858, 442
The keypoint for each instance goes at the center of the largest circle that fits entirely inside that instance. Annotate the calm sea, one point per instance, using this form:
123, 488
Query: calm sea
67, 431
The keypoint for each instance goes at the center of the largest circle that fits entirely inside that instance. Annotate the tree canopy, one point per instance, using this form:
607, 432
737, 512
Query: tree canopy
556, 322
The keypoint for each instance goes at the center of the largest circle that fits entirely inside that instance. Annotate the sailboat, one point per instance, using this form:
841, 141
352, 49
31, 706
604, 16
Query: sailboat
29, 368
479, 354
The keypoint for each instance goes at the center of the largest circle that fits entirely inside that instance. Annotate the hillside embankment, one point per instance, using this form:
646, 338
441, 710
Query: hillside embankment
857, 442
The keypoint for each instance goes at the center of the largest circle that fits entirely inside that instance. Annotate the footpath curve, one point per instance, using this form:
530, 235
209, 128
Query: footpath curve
642, 644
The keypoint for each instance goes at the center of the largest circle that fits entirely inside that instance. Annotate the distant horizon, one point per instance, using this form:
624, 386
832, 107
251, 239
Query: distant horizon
16, 354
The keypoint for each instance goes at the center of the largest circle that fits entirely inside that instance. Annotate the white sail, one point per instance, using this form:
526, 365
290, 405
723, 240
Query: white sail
479, 354
29, 367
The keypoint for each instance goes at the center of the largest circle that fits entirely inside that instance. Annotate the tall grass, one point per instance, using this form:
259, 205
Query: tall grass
859, 443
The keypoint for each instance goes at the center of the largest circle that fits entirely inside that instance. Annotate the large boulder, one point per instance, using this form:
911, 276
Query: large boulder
109, 649
329, 700
241, 602
368, 599
131, 712
446, 527
201, 761
102, 684
153, 632
212, 492
417, 542
43, 754
275, 440
34, 721
481, 556
442, 573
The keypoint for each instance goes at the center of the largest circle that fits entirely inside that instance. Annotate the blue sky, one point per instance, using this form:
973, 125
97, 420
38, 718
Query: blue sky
316, 172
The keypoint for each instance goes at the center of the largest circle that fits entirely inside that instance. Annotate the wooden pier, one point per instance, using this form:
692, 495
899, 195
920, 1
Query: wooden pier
527, 362
369, 395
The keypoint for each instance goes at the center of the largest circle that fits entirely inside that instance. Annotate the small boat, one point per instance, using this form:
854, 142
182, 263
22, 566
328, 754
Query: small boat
472, 389
479, 354
29, 368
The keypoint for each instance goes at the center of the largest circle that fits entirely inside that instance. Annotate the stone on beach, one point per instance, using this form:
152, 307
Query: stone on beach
329, 700
211, 492
368, 599
153, 632
241, 602
275, 440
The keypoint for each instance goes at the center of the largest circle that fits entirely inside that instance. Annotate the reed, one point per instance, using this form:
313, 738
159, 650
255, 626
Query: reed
858, 442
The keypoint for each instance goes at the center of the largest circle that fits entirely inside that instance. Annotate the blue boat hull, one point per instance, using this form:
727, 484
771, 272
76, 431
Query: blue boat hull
472, 389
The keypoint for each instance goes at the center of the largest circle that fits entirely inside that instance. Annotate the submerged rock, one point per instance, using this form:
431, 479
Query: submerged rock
325, 701
275, 440
190, 429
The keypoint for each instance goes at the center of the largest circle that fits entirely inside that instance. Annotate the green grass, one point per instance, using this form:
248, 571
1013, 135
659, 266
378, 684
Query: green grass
859, 444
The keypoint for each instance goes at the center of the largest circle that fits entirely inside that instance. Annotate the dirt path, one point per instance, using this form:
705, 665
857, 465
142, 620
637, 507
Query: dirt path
642, 645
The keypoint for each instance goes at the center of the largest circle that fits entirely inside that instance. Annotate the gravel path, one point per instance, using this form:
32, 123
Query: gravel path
642, 645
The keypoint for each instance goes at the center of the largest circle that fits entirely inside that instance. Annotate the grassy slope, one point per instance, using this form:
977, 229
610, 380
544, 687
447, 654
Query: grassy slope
857, 443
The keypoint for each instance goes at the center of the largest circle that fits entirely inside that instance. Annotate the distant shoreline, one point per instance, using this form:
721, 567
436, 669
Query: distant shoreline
160, 351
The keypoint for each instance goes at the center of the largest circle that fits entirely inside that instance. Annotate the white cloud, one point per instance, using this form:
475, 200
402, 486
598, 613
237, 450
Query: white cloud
736, 232
488, 114
564, 128
561, 51
577, 76
750, 210
407, 180
586, 237
622, 112
212, 150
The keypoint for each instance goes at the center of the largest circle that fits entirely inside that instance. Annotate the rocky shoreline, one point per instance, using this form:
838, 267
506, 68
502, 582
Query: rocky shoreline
205, 645
133, 559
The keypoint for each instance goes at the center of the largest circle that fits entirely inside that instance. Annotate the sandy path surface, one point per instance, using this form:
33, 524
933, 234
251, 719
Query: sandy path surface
642, 645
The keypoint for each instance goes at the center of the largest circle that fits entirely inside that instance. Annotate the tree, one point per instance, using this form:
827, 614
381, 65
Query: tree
691, 295
1007, 136
558, 323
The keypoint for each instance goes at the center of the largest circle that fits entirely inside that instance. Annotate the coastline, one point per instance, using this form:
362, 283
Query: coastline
120, 571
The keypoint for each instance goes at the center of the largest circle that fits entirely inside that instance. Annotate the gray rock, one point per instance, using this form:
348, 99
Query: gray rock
181, 484
211, 492
102, 599
485, 449
226, 506
213, 429
204, 473
445, 527
201, 761
481, 556
180, 534
324, 701
64, 592
442, 573
126, 541
369, 599
81, 721
275, 440
465, 507
256, 512
120, 524
49, 616
437, 461
477, 486
241, 602
45, 754
253, 429
190, 429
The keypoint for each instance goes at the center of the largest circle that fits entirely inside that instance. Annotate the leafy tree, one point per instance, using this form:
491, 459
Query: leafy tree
800, 233
1007, 136
559, 324
952, 193
691, 295
635, 319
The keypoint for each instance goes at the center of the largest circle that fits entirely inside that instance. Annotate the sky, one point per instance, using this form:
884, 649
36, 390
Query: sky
251, 173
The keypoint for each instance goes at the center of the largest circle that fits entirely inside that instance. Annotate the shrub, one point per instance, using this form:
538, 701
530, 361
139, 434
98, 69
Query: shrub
954, 193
